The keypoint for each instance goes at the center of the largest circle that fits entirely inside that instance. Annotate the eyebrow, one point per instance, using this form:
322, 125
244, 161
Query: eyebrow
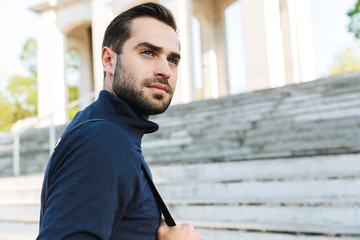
157, 49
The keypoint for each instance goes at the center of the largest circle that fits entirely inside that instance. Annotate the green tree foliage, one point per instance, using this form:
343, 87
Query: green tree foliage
28, 55
21, 100
347, 61
354, 25
6, 113
23, 94
73, 92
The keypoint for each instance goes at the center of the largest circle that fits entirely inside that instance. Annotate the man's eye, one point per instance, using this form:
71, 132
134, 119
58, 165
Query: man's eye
148, 52
173, 61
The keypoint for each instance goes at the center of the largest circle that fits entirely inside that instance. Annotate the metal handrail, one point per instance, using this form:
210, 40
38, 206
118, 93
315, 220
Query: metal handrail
52, 131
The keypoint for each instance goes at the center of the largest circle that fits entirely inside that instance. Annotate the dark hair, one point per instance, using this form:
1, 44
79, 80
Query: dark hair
119, 30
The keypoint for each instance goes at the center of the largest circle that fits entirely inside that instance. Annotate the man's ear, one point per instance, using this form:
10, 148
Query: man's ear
108, 58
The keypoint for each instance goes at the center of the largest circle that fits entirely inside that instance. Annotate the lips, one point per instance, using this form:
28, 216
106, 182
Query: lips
158, 86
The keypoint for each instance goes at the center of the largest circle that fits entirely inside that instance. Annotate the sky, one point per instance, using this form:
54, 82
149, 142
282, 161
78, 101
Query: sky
330, 36
17, 24
329, 30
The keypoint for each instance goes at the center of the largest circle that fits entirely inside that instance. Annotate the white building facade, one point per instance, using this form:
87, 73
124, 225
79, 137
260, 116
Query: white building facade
276, 34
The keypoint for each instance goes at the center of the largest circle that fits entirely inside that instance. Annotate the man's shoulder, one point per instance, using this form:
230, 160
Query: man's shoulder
93, 132
95, 129
95, 143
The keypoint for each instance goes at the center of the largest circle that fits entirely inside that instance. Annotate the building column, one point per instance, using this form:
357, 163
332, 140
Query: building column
263, 44
304, 39
102, 14
221, 50
209, 59
213, 43
297, 38
185, 87
291, 58
50, 65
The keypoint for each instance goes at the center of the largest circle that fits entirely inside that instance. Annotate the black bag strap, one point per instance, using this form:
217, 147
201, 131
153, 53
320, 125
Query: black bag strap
168, 218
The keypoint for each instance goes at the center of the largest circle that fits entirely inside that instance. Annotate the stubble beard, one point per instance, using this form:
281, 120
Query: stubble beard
125, 87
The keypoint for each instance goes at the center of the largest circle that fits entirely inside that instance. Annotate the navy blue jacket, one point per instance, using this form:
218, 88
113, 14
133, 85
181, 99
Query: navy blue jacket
94, 185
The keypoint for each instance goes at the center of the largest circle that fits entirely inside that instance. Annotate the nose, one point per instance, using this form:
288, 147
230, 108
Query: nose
162, 69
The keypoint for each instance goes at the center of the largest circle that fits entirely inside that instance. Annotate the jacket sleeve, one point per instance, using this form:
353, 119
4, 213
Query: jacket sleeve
92, 179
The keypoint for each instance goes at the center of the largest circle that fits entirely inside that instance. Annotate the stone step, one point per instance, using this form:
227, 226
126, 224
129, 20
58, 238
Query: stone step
291, 113
297, 114
290, 214
19, 219
27, 224
329, 87
17, 236
284, 228
20, 181
233, 234
20, 206
265, 138
20, 193
286, 96
319, 167
17, 207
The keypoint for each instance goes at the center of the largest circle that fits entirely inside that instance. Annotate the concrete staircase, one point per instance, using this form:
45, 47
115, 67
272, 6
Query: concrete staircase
274, 164
19, 207
277, 164
309, 119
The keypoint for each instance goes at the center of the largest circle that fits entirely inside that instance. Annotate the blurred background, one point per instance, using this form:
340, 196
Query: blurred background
262, 138
334, 50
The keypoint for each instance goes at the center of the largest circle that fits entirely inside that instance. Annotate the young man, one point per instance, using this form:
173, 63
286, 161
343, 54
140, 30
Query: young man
94, 185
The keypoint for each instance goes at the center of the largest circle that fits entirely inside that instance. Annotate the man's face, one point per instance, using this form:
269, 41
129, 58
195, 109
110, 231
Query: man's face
146, 71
